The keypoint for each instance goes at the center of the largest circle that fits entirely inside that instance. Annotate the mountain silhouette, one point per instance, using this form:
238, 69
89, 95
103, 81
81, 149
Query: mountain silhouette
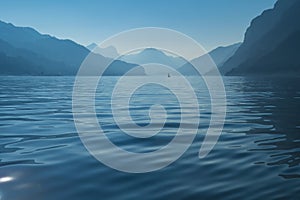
24, 51
219, 56
152, 55
271, 44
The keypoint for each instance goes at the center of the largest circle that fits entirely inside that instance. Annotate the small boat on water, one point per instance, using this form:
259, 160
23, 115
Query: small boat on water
169, 75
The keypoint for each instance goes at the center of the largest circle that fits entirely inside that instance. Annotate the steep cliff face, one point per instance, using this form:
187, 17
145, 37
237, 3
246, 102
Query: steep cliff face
271, 43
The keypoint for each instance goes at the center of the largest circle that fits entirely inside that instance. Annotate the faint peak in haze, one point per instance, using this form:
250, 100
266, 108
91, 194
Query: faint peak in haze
152, 55
110, 51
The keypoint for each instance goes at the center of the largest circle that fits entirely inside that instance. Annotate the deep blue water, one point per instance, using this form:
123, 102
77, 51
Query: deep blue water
256, 157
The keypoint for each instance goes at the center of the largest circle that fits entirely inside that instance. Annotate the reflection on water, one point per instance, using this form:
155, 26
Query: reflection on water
277, 102
257, 156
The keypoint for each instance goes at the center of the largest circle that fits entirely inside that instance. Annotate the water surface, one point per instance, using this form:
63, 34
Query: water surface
256, 157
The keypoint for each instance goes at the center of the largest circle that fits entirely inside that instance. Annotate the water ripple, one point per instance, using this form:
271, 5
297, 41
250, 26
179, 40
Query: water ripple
257, 156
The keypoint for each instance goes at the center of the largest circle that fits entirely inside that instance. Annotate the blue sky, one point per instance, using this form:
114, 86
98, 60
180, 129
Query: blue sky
211, 22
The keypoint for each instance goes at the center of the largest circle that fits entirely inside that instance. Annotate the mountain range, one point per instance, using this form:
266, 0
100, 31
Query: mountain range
271, 46
219, 56
24, 51
152, 55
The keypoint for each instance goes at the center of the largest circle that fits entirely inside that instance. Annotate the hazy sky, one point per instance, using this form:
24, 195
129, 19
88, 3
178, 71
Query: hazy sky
211, 22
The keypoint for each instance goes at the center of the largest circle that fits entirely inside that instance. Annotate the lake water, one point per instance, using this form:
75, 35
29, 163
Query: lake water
256, 157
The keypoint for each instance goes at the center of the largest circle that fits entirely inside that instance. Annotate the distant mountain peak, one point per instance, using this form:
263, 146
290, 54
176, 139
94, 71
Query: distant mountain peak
152, 51
110, 51
153, 55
